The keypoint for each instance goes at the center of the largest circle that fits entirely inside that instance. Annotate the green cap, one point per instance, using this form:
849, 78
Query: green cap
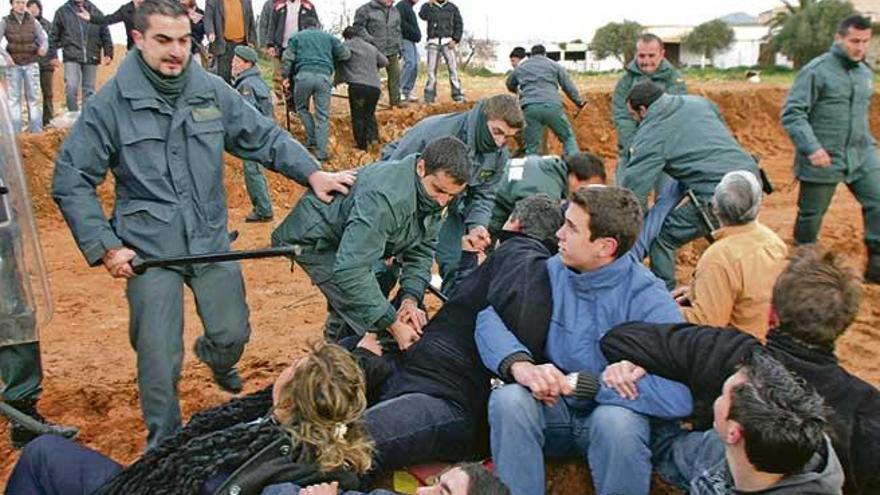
246, 53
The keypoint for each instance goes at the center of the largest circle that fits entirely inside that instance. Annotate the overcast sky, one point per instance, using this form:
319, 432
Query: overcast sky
547, 20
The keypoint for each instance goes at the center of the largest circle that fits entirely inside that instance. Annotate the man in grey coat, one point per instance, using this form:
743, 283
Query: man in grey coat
161, 126
379, 23
228, 23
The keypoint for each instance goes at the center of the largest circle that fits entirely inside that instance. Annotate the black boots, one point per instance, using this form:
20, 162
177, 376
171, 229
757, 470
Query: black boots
21, 434
872, 270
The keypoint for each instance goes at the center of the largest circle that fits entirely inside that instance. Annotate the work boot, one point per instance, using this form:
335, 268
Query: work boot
20, 435
228, 380
254, 218
872, 270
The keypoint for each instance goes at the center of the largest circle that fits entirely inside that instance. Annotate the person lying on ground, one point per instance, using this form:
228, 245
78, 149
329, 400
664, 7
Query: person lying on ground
816, 300
306, 428
462, 479
394, 209
768, 438
733, 281
595, 285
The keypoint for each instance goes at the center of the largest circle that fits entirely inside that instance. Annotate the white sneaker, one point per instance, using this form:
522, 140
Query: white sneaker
412, 98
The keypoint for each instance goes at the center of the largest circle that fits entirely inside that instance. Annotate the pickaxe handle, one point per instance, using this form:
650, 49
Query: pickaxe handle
141, 265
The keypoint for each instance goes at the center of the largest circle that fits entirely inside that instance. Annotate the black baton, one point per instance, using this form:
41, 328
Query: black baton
141, 265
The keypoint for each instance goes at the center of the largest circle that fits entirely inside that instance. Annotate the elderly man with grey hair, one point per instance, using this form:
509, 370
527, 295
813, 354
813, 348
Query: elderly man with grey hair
733, 281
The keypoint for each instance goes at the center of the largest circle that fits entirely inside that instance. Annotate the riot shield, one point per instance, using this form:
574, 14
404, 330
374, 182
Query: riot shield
25, 301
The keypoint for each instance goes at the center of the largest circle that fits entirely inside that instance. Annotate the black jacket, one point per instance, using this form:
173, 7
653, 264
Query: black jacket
52, 54
445, 363
444, 20
278, 16
125, 15
409, 23
703, 358
80, 41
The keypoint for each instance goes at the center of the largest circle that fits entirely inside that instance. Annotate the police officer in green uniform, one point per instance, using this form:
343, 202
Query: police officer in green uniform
249, 83
650, 64
551, 175
485, 129
826, 115
537, 81
161, 126
685, 137
393, 210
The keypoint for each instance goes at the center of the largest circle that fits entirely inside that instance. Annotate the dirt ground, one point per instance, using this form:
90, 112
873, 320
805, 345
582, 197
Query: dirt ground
89, 364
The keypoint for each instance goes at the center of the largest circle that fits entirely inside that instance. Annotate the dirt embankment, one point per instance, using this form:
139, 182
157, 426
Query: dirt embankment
90, 373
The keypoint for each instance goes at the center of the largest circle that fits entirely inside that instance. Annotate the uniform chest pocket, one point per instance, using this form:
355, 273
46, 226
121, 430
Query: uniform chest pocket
205, 130
143, 147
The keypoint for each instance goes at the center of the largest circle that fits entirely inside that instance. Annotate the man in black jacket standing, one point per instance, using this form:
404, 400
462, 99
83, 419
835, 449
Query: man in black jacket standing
816, 300
445, 29
81, 46
411, 34
124, 14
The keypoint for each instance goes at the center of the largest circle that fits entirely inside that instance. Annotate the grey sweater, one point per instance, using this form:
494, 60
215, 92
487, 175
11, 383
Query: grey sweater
363, 66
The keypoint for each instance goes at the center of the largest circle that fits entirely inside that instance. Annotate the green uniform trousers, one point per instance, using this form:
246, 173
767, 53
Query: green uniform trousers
20, 371
257, 189
814, 199
155, 301
682, 225
541, 115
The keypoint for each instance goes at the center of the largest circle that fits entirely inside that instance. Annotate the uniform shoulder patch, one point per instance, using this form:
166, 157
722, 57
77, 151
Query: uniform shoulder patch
202, 114
486, 174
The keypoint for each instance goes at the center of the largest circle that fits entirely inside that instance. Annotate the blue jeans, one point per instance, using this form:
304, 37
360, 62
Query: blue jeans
410, 67
25, 79
76, 74
614, 439
693, 461
417, 428
317, 127
52, 465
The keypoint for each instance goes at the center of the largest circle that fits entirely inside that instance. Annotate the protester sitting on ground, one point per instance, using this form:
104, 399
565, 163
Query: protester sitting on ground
462, 479
685, 137
733, 281
485, 128
361, 72
816, 299
594, 285
395, 209
551, 175
304, 429
768, 438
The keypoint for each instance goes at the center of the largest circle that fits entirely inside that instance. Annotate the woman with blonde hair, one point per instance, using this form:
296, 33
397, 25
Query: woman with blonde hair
304, 429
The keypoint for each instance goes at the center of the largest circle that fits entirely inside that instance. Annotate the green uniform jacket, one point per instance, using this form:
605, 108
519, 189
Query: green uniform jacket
538, 80
686, 137
313, 50
387, 213
526, 177
827, 107
666, 76
167, 163
254, 90
487, 169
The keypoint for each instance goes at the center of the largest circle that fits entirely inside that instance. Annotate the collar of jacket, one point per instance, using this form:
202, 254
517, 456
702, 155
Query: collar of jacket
659, 107
733, 230
247, 74
841, 55
506, 235
134, 85
610, 275
783, 340
381, 4
660, 73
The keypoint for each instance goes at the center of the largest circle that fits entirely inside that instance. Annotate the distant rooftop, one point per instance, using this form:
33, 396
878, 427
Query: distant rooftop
740, 19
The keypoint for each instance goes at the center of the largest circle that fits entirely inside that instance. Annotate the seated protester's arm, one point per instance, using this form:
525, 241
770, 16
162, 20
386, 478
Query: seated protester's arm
466, 265
657, 397
250, 135
376, 370
512, 83
498, 346
668, 198
712, 295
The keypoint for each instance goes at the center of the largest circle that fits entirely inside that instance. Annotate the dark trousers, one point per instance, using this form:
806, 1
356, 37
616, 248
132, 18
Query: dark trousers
21, 372
224, 61
46, 78
418, 428
393, 71
52, 465
362, 100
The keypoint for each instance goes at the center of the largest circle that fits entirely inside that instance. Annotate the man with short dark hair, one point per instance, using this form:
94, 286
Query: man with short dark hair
485, 128
517, 55
826, 116
161, 126
228, 23
537, 82
544, 407
307, 66
686, 138
551, 175
815, 298
445, 29
394, 210
379, 23
649, 64
83, 47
